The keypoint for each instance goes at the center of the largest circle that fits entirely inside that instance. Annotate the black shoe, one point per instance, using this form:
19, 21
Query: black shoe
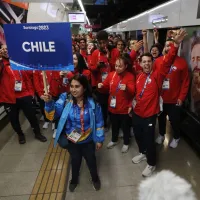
97, 185
21, 138
41, 137
72, 186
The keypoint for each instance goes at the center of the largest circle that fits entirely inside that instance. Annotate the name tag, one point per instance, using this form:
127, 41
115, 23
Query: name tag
166, 84
104, 76
74, 136
18, 86
113, 102
65, 81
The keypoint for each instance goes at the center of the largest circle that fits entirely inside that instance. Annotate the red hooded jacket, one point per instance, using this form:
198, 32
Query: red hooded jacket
123, 98
179, 81
97, 75
53, 79
7, 84
115, 53
65, 87
148, 98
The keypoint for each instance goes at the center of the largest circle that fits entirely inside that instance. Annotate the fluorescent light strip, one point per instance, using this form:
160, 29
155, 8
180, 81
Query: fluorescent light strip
148, 11
83, 9
65, 7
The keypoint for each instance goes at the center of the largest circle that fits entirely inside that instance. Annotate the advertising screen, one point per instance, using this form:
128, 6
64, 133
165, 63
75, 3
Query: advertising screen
76, 17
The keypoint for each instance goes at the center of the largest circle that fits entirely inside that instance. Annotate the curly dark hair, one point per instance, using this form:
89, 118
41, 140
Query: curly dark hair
102, 35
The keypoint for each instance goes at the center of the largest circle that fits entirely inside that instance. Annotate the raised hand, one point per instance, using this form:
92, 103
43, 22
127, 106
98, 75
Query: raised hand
144, 32
100, 85
46, 97
138, 46
180, 36
156, 35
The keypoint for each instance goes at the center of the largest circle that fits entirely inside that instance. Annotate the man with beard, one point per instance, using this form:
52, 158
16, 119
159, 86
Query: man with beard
195, 64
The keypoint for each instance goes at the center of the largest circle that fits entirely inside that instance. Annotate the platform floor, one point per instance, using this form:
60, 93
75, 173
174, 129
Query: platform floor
21, 166
120, 177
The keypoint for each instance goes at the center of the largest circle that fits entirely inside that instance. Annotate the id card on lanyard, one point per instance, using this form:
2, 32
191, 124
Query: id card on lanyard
76, 134
113, 101
103, 74
166, 82
145, 85
18, 83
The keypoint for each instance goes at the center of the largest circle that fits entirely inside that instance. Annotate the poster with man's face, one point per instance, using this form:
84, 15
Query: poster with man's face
191, 52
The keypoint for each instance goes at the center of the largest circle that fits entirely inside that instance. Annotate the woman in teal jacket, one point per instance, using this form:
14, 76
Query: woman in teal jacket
80, 129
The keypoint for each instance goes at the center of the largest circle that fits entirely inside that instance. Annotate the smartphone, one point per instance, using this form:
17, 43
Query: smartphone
140, 37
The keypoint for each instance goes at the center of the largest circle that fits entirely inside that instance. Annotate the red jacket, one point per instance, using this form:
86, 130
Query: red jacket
30, 76
123, 98
84, 54
148, 104
7, 84
178, 80
133, 55
38, 81
114, 56
66, 87
137, 69
96, 73
53, 79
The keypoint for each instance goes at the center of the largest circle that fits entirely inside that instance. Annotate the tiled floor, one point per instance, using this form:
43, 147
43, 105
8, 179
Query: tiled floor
120, 178
20, 164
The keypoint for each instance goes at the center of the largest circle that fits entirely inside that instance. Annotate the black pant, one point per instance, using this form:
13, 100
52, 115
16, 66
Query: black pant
103, 101
42, 105
144, 129
24, 103
120, 121
77, 151
56, 120
173, 112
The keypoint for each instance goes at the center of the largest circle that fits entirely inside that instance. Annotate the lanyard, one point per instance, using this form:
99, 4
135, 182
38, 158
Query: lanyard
145, 84
81, 118
118, 86
14, 74
170, 71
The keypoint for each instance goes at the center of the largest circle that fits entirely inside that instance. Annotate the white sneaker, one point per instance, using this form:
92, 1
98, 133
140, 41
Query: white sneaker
139, 158
125, 148
111, 145
53, 126
46, 125
54, 133
160, 139
41, 118
148, 171
174, 143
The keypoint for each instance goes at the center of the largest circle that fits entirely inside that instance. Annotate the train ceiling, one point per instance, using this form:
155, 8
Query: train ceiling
109, 12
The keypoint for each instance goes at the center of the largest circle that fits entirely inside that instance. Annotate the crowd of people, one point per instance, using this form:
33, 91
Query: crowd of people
115, 84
